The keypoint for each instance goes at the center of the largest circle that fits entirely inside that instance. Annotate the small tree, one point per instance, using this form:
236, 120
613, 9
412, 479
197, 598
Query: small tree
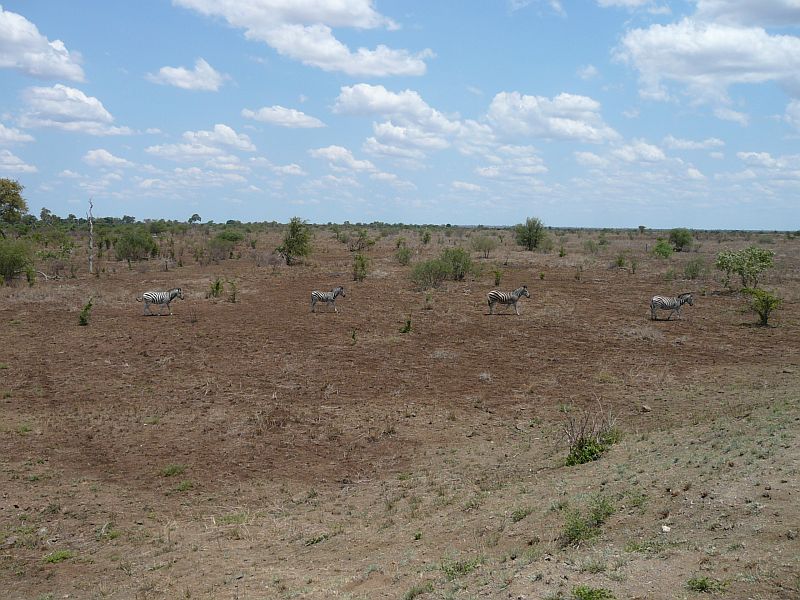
361, 241
360, 265
195, 218
296, 242
484, 244
530, 234
662, 249
748, 264
15, 258
12, 204
762, 303
681, 239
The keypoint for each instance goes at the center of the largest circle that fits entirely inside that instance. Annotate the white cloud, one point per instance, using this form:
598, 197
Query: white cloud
69, 109
566, 116
727, 114
341, 158
23, 48
590, 159
693, 173
203, 77
463, 186
639, 151
11, 135
13, 164
204, 145
588, 72
679, 144
750, 12
708, 58
104, 158
285, 117
793, 114
222, 135
623, 3
513, 162
302, 30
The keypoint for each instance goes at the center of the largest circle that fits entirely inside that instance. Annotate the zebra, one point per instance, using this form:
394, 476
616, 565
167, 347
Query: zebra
669, 303
327, 297
159, 298
507, 298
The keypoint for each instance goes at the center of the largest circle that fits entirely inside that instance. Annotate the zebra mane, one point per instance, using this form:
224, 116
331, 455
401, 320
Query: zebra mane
684, 294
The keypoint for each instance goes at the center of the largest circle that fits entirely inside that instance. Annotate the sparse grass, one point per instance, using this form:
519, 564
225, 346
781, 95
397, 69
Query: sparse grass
59, 556
589, 435
453, 569
237, 518
520, 514
172, 470
418, 590
706, 585
184, 486
585, 592
580, 527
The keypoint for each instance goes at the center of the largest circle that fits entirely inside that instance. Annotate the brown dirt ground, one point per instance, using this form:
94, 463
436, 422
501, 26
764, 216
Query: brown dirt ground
329, 455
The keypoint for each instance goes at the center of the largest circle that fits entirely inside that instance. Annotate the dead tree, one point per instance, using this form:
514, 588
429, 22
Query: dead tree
91, 238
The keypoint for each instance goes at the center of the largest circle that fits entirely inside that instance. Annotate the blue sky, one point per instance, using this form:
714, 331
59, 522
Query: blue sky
593, 113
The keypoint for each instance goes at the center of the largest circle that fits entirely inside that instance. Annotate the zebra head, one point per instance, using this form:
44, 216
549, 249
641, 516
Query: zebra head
523, 291
687, 299
339, 291
178, 293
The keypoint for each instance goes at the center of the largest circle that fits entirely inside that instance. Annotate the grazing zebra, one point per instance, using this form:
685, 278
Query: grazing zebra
671, 304
327, 297
159, 298
495, 297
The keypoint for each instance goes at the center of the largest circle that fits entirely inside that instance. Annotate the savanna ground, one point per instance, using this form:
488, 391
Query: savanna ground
254, 450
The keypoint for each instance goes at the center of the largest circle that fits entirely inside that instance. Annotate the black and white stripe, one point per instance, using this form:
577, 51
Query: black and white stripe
327, 297
506, 298
670, 303
159, 298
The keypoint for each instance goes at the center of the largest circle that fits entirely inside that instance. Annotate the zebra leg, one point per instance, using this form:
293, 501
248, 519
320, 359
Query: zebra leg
491, 308
516, 308
336, 310
146, 311
313, 304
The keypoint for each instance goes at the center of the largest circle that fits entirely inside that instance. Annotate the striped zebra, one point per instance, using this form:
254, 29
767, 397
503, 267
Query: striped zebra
495, 297
327, 297
670, 303
159, 298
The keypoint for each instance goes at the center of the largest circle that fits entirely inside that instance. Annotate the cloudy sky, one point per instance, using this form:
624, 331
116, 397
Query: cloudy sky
608, 113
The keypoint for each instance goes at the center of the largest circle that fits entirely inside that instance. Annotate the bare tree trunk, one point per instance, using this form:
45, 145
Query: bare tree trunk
91, 238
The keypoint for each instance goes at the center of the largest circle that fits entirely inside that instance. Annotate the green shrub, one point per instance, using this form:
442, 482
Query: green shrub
458, 568
589, 435
418, 590
430, 273
590, 246
296, 241
361, 241
16, 258
135, 244
426, 237
403, 255
458, 262
530, 234
360, 264
83, 317
58, 556
681, 239
484, 244
705, 585
748, 264
763, 303
694, 268
662, 249
215, 291
498, 275
230, 235
585, 592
